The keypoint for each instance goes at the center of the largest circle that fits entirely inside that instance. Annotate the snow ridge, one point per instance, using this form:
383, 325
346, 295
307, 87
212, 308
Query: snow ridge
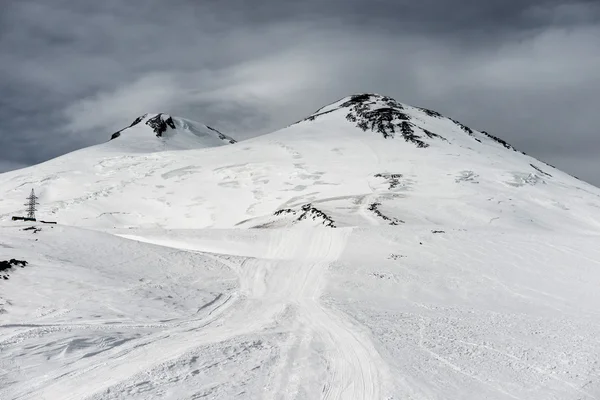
174, 133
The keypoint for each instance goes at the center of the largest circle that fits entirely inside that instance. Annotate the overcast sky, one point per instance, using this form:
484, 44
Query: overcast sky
74, 71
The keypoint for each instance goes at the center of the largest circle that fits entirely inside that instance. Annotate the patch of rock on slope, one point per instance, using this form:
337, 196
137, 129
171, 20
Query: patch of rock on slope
374, 207
7, 266
308, 211
305, 215
222, 136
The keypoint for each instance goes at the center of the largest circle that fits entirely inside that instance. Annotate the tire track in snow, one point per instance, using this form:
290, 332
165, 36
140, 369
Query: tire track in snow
353, 365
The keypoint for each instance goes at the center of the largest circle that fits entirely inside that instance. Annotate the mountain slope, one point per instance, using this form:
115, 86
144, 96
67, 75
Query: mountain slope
453, 169
373, 250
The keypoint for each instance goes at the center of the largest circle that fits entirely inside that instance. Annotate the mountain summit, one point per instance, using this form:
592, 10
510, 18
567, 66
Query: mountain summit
165, 132
391, 119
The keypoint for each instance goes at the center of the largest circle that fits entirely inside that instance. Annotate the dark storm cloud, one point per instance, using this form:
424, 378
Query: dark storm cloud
73, 71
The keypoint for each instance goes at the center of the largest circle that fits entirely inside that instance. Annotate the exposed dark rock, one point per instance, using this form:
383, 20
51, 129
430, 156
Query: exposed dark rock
6, 266
283, 211
386, 116
463, 127
314, 213
396, 256
431, 113
502, 142
409, 134
432, 135
308, 211
498, 140
221, 136
160, 125
377, 113
392, 221
138, 120
161, 122
438, 232
135, 122
357, 99
538, 169
22, 263
388, 119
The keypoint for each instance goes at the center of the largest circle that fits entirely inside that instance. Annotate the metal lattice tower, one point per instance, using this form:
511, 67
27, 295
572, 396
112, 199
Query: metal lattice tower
31, 205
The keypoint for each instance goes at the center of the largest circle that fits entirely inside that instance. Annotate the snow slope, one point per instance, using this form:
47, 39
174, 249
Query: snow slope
371, 251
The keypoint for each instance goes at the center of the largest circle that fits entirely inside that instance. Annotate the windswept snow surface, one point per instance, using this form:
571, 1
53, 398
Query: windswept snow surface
372, 251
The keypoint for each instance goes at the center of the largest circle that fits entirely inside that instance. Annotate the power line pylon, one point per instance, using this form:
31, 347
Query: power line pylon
31, 205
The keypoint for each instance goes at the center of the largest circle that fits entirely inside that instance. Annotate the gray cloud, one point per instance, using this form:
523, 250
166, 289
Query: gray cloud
73, 72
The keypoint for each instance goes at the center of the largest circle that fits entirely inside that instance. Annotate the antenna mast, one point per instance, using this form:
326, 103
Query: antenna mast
31, 205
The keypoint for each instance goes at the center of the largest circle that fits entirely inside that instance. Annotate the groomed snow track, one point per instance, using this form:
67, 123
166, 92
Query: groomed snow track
279, 291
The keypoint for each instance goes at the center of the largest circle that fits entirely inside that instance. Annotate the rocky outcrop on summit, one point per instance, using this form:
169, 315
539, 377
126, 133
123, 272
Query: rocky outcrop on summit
391, 119
172, 132
160, 123
384, 115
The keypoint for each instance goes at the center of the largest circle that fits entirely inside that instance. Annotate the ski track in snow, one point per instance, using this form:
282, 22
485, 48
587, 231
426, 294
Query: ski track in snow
292, 275
278, 291
351, 360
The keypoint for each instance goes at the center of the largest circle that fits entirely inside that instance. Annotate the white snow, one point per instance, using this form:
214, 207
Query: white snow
181, 270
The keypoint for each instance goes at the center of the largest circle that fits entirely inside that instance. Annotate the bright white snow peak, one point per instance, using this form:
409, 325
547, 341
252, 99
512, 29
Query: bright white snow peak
384, 115
165, 132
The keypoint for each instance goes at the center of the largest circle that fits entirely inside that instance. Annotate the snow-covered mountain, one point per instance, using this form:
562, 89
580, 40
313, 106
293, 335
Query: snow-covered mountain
373, 250
170, 133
